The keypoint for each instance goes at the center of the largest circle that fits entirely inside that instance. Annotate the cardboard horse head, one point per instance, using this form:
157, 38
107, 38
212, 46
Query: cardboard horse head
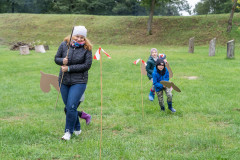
46, 80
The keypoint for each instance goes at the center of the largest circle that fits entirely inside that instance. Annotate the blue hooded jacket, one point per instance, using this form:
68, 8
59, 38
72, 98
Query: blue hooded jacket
157, 77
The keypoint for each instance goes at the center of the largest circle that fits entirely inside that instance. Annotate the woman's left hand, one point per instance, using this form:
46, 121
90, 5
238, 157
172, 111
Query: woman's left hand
64, 68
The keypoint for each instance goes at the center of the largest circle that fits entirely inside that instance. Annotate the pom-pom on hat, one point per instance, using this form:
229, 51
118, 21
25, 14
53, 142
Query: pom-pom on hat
80, 30
162, 56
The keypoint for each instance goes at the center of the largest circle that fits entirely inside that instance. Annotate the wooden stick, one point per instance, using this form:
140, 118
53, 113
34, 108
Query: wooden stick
101, 100
59, 91
141, 87
63, 72
147, 83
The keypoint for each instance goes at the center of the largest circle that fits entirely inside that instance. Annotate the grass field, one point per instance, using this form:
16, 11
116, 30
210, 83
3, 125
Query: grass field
205, 126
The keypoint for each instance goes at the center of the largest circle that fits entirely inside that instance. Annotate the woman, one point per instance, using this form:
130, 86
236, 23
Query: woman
75, 67
160, 73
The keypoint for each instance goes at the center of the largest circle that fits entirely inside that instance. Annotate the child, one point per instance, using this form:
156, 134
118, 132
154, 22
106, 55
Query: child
151, 63
160, 73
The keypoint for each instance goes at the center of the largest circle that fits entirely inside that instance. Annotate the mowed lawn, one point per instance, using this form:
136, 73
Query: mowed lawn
205, 126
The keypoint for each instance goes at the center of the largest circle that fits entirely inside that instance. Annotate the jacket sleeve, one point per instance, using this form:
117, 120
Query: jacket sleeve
84, 66
149, 71
59, 55
166, 77
156, 84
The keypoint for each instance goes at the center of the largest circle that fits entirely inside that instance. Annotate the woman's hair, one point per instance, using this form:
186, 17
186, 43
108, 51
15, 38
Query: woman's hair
87, 46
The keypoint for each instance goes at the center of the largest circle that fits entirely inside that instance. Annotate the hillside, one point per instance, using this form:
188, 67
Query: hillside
118, 29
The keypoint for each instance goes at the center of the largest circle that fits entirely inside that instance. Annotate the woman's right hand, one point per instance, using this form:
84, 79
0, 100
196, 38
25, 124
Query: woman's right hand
65, 61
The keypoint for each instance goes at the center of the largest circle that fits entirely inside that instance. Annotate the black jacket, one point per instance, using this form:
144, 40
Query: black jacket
150, 66
79, 62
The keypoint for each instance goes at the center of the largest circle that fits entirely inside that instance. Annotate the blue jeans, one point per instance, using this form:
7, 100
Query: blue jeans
71, 95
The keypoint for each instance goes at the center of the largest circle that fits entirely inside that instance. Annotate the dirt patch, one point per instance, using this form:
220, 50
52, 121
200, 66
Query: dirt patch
1, 40
115, 132
222, 124
191, 77
237, 109
13, 118
16, 45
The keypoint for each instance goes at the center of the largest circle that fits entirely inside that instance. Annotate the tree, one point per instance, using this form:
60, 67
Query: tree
3, 6
150, 19
179, 5
202, 7
238, 6
220, 6
213, 7
172, 8
61, 6
229, 28
95, 7
128, 7
25, 6
101, 7
13, 5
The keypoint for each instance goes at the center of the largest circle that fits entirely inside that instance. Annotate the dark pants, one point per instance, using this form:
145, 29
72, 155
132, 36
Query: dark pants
71, 95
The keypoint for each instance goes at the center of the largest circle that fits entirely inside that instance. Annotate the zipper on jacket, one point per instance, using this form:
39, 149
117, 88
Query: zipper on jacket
70, 73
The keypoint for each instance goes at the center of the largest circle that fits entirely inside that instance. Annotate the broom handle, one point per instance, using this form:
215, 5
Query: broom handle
63, 72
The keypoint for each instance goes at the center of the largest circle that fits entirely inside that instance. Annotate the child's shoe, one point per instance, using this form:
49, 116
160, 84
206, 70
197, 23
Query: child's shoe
162, 108
66, 136
170, 107
87, 117
151, 96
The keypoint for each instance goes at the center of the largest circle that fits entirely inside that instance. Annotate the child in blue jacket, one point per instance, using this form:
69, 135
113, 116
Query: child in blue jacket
160, 73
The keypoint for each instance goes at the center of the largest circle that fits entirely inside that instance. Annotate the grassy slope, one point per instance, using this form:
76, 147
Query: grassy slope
205, 126
118, 29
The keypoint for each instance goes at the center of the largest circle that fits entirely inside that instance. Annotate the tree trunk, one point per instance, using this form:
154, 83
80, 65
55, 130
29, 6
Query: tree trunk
149, 25
71, 6
12, 7
229, 28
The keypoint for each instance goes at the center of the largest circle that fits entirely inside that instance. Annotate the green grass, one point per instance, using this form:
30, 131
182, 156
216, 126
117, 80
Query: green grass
116, 30
205, 126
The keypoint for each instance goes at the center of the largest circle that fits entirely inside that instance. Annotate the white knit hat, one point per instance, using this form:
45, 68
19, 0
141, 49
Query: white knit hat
80, 30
